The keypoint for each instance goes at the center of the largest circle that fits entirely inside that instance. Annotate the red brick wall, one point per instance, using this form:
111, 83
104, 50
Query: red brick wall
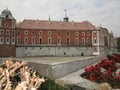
8, 21
7, 50
54, 36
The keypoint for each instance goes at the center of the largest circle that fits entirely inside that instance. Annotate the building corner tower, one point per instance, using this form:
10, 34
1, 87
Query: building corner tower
7, 34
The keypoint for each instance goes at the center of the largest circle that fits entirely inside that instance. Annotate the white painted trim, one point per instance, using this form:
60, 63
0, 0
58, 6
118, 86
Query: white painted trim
7, 40
2, 41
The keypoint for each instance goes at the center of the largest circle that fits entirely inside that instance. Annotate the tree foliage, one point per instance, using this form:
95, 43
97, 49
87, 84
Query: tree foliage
118, 42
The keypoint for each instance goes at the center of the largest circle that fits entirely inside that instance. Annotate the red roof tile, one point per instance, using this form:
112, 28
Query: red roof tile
57, 25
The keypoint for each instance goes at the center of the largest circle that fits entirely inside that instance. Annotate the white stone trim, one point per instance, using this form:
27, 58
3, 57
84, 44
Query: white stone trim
8, 32
83, 41
68, 33
49, 40
1, 31
59, 41
25, 40
18, 40
49, 33
33, 40
26, 32
76, 34
83, 33
13, 40
40, 32
41, 41
68, 41
1, 40
76, 41
7, 40
13, 32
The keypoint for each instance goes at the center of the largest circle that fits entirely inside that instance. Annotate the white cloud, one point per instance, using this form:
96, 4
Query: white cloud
105, 12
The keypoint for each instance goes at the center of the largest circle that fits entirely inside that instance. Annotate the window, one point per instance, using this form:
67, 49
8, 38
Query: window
8, 32
83, 33
1, 32
76, 33
33, 40
95, 40
49, 33
18, 33
95, 33
49, 40
59, 41
33, 33
76, 41
18, 40
68, 33
40, 40
7, 40
40, 33
1, 40
26, 33
58, 33
26, 40
83, 41
88, 34
7, 16
6, 25
13, 41
13, 33
88, 41
68, 41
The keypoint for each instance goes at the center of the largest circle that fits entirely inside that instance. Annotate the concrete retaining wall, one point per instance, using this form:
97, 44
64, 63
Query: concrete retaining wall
55, 71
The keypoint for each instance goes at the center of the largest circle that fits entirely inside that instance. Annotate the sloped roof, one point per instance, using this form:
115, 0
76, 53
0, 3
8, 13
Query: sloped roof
55, 25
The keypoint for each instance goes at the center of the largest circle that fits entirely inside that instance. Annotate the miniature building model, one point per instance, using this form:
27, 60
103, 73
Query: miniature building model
52, 38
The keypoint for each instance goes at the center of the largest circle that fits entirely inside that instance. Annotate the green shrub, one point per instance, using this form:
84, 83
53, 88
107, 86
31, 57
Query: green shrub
51, 85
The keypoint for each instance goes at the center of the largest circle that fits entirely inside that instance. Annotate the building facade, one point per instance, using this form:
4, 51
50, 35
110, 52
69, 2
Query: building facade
51, 38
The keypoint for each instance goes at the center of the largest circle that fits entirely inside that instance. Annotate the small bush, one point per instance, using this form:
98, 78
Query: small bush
51, 85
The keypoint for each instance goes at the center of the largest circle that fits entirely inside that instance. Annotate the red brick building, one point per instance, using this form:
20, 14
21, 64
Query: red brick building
46, 37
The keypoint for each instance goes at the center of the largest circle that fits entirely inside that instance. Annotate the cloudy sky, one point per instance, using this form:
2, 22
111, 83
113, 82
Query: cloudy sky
99, 12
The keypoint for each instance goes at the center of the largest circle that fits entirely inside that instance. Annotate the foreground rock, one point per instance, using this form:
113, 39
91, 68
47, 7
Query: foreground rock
15, 75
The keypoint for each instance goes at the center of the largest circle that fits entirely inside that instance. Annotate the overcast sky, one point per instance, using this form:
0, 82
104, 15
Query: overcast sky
104, 12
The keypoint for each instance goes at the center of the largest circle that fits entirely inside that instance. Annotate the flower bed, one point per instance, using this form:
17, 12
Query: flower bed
105, 71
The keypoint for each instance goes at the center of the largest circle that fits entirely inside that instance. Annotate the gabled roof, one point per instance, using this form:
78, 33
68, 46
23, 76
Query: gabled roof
55, 25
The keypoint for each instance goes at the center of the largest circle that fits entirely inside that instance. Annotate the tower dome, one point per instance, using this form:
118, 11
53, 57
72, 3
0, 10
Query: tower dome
6, 14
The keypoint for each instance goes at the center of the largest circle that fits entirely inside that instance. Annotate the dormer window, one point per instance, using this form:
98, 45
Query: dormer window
6, 16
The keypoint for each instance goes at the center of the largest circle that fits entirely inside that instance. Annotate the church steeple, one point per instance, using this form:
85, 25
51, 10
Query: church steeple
66, 19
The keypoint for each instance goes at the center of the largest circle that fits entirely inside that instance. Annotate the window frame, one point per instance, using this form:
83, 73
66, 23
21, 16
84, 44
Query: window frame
68, 33
76, 34
25, 32
1, 38
49, 33
7, 40
7, 32
83, 33
25, 40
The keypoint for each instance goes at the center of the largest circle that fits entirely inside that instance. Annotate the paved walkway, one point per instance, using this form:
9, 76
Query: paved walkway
51, 60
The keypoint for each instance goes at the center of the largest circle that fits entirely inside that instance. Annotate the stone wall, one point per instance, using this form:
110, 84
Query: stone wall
55, 71
52, 51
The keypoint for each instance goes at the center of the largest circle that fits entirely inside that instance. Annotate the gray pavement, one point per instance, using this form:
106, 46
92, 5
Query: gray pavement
50, 60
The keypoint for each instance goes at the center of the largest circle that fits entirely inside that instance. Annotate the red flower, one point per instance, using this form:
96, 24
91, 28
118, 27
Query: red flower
91, 78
